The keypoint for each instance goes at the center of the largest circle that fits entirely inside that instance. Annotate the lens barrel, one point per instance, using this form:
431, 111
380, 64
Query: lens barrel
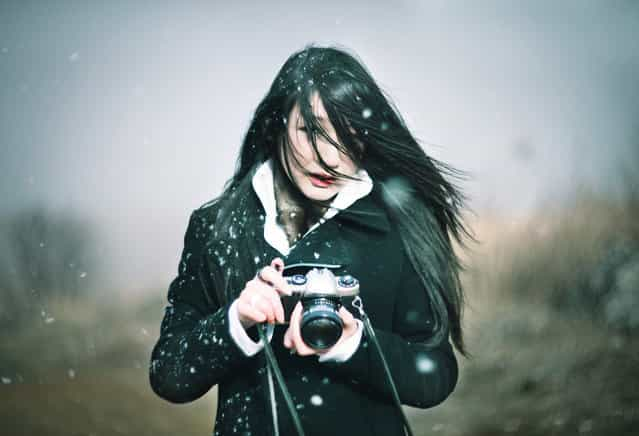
321, 325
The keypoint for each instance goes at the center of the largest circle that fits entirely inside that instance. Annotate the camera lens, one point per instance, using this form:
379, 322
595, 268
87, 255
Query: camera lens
321, 325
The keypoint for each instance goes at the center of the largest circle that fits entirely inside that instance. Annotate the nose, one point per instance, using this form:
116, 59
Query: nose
329, 153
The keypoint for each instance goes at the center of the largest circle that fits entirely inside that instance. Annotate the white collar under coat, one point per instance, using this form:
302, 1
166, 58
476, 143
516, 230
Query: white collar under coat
274, 234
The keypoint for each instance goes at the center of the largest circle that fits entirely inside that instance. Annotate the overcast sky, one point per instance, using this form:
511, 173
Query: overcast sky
131, 113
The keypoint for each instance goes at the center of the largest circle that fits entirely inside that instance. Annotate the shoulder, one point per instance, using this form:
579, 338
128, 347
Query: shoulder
200, 223
204, 216
368, 213
209, 208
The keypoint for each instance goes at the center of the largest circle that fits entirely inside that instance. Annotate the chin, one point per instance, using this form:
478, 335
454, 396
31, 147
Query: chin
320, 194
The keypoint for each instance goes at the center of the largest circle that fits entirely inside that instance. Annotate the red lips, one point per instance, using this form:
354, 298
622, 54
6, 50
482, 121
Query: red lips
321, 180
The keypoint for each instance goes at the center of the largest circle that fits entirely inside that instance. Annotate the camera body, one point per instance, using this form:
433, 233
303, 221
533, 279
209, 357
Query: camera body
321, 293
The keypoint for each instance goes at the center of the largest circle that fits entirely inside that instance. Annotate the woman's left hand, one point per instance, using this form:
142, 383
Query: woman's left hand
293, 336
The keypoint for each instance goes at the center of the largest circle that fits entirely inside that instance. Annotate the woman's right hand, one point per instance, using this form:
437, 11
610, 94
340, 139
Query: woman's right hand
260, 301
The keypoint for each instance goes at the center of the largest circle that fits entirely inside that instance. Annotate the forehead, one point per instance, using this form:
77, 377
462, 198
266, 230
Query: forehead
318, 109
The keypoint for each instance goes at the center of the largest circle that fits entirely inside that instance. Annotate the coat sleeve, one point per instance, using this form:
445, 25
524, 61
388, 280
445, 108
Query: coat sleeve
195, 350
424, 375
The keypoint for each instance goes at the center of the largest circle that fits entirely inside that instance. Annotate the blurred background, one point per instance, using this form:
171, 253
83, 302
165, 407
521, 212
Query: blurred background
117, 119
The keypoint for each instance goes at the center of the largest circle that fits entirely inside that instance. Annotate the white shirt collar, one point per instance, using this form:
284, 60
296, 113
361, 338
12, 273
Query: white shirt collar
274, 234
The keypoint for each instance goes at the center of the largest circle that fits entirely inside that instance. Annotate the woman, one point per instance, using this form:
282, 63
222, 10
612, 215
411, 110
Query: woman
328, 172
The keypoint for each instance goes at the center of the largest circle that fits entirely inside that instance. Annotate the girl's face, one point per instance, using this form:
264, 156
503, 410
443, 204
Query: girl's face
305, 168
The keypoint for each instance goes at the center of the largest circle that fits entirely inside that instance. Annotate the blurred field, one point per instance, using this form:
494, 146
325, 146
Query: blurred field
549, 359
82, 370
550, 323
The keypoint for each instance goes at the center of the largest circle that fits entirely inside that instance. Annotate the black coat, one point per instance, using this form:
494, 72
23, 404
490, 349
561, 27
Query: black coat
195, 350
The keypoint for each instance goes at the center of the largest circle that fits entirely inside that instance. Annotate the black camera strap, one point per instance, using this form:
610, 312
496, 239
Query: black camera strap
359, 305
273, 369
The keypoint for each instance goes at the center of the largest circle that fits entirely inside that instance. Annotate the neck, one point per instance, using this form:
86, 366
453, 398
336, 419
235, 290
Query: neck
292, 216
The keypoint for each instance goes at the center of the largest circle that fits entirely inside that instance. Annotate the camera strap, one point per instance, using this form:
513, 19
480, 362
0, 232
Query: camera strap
273, 369
271, 396
359, 305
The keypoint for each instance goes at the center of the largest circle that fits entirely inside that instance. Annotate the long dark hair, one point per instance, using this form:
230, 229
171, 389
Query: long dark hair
424, 204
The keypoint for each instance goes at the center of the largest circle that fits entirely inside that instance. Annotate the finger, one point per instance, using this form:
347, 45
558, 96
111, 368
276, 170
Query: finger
293, 323
279, 310
274, 278
347, 316
301, 348
257, 288
264, 306
268, 274
274, 299
295, 314
350, 324
259, 275
278, 264
273, 275
257, 296
249, 313
296, 333
288, 343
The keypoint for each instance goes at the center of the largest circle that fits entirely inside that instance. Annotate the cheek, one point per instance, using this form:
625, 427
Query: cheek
349, 166
304, 150
301, 147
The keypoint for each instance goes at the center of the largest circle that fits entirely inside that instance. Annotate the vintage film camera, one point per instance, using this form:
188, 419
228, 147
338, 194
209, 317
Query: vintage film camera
321, 293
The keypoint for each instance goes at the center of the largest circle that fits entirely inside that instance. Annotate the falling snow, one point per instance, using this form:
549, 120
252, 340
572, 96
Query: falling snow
425, 364
316, 400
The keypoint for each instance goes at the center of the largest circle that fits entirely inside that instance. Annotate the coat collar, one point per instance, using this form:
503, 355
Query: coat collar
367, 212
353, 204
330, 244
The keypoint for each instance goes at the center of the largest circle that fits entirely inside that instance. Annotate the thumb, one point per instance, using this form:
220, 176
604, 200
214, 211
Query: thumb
346, 316
287, 339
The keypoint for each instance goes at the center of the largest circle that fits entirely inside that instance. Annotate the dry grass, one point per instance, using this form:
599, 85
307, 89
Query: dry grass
98, 401
539, 366
82, 369
546, 362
